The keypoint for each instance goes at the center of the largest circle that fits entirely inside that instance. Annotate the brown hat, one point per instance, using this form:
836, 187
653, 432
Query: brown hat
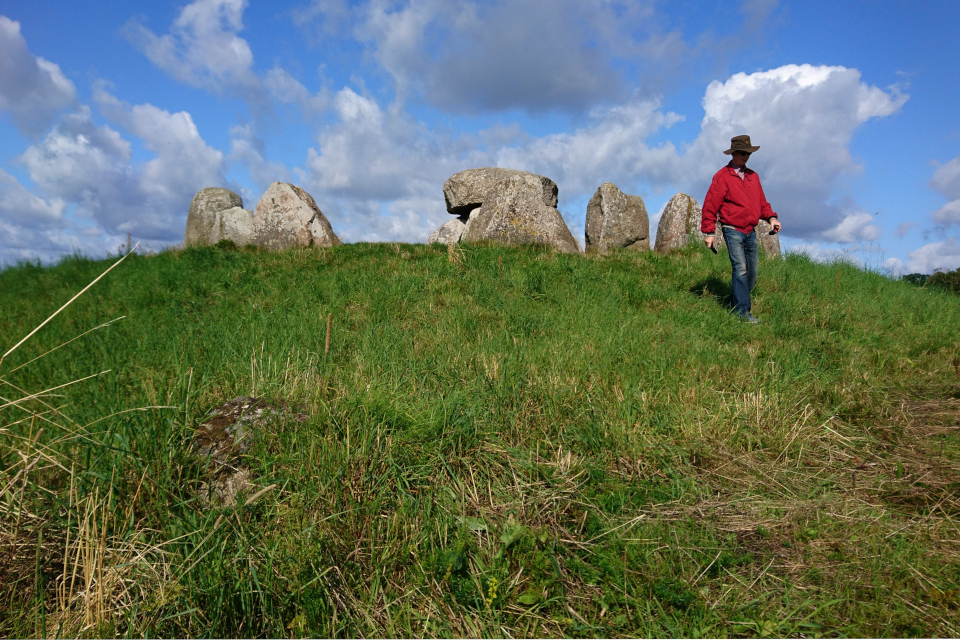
740, 143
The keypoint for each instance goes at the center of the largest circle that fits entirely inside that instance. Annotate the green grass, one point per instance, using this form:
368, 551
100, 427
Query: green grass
501, 441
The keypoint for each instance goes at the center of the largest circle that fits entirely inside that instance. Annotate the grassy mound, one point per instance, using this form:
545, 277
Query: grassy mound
499, 442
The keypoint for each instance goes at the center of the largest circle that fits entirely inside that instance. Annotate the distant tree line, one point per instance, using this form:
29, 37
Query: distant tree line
948, 280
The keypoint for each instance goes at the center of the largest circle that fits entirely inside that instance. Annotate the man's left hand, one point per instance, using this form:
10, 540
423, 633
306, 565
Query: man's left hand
775, 225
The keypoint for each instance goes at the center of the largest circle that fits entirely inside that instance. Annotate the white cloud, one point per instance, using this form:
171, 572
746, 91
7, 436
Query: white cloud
877, 103
203, 49
803, 118
855, 227
77, 157
379, 172
611, 147
820, 253
333, 16
904, 228
248, 150
360, 156
757, 12
946, 182
529, 54
183, 163
32, 90
89, 165
894, 267
49, 244
18, 205
286, 89
33, 227
942, 256
948, 213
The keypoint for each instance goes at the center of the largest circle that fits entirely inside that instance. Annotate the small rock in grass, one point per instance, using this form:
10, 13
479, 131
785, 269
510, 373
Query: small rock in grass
229, 432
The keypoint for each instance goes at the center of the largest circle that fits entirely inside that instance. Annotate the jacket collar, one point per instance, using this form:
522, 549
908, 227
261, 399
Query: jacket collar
747, 171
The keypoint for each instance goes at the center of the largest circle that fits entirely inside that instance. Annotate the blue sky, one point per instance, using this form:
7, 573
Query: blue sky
114, 114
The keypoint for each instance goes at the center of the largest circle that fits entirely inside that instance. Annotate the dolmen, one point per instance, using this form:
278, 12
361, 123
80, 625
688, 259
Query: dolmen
286, 217
505, 206
616, 220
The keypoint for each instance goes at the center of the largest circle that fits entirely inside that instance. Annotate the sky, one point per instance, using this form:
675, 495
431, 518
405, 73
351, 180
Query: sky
113, 114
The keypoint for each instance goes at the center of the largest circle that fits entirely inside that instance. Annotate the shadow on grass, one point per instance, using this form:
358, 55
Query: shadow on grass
714, 287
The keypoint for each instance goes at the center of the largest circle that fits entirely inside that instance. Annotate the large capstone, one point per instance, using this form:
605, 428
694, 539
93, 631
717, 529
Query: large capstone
513, 212
615, 219
288, 217
205, 221
465, 191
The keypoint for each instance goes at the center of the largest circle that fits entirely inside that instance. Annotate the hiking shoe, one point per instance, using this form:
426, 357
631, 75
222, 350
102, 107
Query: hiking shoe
750, 318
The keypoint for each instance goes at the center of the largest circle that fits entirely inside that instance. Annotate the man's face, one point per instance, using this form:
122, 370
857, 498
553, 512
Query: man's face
740, 159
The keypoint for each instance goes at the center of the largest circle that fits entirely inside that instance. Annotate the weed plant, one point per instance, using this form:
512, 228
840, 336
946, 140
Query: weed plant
500, 442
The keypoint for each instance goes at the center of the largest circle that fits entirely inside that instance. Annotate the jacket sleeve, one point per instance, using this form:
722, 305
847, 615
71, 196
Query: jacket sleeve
766, 211
711, 204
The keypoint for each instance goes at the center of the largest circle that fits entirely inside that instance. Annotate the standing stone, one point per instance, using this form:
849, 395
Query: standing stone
470, 219
513, 212
451, 232
288, 217
236, 224
769, 244
465, 191
615, 219
448, 233
203, 220
680, 225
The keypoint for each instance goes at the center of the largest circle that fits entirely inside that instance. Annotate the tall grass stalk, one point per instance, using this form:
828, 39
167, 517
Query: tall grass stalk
66, 304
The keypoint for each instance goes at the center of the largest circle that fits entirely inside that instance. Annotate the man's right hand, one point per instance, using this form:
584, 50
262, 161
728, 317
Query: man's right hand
710, 240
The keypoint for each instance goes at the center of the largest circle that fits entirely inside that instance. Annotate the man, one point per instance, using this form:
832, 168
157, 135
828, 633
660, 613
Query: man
736, 198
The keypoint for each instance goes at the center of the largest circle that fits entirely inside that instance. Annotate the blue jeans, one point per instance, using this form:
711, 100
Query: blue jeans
743, 259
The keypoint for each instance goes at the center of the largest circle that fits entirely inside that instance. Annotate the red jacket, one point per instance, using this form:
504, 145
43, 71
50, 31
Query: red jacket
738, 203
